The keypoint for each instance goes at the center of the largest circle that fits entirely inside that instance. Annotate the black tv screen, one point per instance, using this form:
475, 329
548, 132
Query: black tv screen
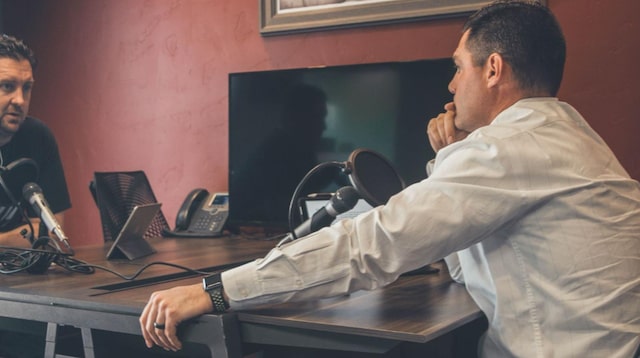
282, 123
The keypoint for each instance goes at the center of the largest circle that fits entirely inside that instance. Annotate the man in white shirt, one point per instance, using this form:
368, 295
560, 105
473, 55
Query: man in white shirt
527, 204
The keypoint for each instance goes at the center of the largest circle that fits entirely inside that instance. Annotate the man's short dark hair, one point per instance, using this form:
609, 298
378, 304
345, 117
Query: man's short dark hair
11, 47
526, 35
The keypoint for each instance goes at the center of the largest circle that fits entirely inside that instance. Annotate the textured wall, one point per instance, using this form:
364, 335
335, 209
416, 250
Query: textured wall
142, 84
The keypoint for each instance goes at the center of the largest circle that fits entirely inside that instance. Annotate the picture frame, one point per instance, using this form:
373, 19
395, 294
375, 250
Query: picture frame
315, 15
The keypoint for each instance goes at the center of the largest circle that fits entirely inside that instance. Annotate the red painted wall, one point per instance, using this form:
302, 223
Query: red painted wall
142, 84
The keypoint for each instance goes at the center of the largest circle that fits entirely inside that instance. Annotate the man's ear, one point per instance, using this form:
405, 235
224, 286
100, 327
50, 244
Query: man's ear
494, 69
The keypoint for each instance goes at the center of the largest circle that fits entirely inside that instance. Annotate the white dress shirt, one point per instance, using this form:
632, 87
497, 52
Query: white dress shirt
533, 213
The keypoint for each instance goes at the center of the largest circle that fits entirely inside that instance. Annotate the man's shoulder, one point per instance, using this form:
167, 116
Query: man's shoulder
33, 127
33, 137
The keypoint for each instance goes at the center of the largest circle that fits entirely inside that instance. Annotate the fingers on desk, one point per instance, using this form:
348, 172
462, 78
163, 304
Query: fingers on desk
154, 316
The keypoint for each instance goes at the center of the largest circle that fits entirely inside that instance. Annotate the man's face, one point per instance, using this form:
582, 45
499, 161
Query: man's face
470, 90
16, 81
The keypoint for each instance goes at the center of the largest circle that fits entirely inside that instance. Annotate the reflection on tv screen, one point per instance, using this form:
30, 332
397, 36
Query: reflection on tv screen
282, 123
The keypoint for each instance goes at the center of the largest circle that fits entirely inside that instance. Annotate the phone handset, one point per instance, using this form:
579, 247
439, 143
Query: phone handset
190, 204
201, 214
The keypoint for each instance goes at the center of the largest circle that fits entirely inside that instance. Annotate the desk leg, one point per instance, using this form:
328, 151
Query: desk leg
220, 333
52, 335
87, 343
50, 340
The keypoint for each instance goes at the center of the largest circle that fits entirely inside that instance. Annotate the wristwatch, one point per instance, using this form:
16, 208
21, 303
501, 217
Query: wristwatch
213, 286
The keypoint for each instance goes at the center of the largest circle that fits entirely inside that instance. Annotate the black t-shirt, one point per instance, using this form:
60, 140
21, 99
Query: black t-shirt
35, 141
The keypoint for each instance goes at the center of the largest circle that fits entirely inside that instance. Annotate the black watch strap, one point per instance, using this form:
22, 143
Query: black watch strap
213, 286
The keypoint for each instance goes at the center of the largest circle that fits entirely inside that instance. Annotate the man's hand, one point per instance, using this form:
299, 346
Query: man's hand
442, 130
14, 238
169, 308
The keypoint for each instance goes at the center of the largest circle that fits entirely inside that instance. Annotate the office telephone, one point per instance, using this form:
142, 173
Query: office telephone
202, 214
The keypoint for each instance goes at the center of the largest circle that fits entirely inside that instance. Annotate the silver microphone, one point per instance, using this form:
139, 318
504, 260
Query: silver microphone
32, 193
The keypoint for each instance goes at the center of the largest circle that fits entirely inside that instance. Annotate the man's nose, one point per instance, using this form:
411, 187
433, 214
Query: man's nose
451, 87
18, 98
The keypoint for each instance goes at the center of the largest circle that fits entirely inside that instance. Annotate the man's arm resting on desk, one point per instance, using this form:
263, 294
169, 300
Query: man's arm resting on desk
13, 237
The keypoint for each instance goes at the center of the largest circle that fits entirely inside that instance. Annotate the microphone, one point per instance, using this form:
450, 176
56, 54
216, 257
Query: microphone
32, 193
343, 200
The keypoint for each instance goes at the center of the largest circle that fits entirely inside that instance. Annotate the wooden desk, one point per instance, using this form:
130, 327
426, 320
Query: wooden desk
106, 302
414, 309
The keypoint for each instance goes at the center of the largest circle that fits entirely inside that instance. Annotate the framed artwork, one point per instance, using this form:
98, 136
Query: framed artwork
290, 16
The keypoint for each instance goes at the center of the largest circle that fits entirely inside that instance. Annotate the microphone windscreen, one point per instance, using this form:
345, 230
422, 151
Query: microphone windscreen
29, 189
345, 199
374, 177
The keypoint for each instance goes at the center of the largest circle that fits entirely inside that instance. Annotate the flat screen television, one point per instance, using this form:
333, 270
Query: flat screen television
282, 123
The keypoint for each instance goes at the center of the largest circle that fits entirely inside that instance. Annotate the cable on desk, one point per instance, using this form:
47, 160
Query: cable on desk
141, 270
15, 260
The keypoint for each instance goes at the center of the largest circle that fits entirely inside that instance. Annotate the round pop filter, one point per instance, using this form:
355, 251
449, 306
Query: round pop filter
373, 176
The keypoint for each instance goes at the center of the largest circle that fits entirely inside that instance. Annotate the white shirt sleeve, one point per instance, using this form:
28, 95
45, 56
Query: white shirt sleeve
424, 223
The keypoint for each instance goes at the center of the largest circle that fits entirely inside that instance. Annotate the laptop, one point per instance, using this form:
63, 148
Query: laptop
130, 242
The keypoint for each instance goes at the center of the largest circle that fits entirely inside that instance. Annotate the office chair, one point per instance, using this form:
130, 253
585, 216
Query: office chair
116, 194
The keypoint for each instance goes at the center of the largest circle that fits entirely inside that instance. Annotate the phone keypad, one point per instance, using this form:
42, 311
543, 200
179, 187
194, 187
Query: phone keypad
209, 222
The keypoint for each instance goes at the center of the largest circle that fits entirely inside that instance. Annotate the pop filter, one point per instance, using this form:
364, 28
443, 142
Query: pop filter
373, 176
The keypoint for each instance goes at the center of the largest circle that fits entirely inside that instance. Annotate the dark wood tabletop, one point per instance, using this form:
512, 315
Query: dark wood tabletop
107, 288
415, 308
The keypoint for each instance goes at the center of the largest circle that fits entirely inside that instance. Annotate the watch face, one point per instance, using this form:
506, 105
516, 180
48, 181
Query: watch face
212, 282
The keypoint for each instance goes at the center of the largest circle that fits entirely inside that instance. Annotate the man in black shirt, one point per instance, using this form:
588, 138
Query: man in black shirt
24, 140
24, 137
